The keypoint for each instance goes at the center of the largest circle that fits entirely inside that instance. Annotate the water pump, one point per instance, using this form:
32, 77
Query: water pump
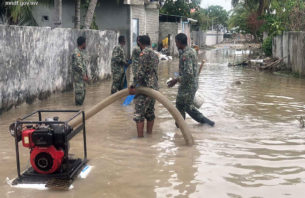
48, 142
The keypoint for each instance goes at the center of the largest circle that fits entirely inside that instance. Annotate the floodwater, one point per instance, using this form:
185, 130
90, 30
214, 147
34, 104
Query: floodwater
255, 150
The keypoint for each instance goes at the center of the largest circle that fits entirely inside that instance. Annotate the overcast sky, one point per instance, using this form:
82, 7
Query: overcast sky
226, 4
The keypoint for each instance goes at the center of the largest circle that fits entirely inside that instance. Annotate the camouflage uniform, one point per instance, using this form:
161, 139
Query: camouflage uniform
135, 61
79, 71
146, 76
118, 61
188, 78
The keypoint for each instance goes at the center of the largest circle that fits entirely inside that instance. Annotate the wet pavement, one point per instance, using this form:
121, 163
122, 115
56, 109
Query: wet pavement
255, 150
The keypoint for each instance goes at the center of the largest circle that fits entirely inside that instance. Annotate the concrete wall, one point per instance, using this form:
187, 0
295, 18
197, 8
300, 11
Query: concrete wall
198, 38
167, 28
208, 38
35, 61
291, 47
152, 24
138, 12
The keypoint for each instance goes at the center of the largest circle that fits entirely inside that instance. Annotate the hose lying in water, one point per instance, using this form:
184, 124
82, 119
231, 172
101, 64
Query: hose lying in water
145, 91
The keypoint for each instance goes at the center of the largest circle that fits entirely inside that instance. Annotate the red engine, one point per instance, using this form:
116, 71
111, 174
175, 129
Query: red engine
46, 148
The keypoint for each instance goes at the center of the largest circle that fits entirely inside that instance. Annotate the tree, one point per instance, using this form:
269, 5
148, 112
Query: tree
248, 17
90, 14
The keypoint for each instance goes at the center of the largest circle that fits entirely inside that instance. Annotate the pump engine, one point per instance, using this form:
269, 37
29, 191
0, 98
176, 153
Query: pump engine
48, 142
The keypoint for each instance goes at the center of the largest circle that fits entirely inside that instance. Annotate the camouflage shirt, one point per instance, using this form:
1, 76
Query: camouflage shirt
147, 74
135, 60
118, 59
79, 68
188, 71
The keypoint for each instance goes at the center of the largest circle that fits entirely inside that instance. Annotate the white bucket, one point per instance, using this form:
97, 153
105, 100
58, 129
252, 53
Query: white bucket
198, 100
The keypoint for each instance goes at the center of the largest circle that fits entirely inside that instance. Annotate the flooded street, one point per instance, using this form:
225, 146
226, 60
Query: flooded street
256, 149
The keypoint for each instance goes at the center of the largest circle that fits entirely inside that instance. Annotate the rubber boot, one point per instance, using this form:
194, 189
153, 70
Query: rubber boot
150, 125
140, 129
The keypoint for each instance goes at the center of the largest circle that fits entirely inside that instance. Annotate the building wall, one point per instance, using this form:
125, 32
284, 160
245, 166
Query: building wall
186, 29
148, 21
152, 24
167, 28
138, 12
44, 10
36, 61
291, 47
108, 16
208, 38
111, 16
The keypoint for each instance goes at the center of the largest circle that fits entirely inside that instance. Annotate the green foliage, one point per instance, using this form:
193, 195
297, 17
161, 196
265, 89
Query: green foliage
285, 16
267, 46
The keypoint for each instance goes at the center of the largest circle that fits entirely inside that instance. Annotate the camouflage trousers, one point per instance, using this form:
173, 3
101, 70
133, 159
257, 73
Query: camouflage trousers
117, 82
185, 104
80, 93
144, 108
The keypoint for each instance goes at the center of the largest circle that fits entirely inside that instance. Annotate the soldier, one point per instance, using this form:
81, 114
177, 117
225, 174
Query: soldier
146, 76
188, 79
135, 58
79, 71
118, 62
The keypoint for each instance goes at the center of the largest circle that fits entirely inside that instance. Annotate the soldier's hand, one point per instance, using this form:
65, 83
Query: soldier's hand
172, 83
132, 90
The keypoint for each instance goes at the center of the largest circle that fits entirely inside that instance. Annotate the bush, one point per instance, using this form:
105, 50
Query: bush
267, 46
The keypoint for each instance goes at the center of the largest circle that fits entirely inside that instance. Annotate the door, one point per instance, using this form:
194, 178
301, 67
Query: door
135, 31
